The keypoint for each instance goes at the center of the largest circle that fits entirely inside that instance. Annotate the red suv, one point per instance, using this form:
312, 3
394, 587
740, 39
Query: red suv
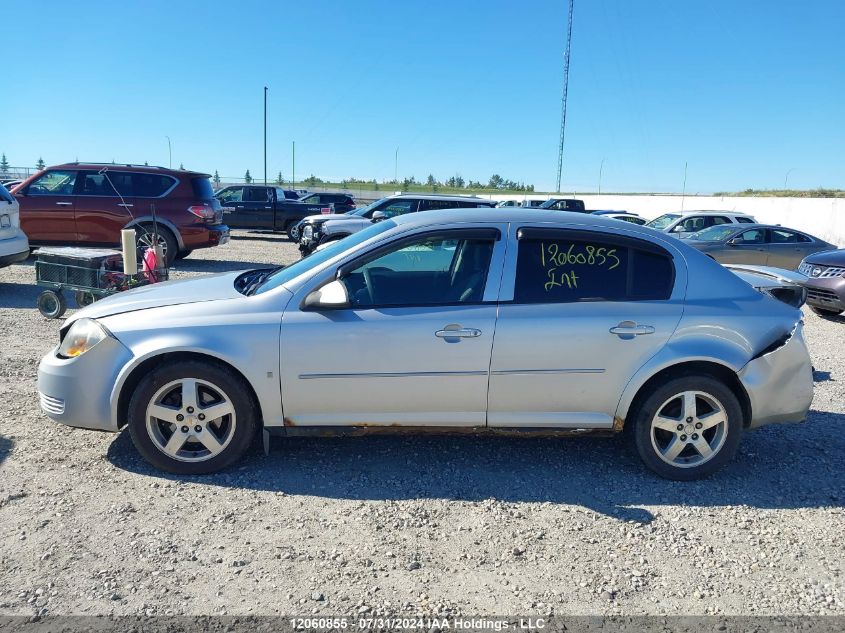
89, 203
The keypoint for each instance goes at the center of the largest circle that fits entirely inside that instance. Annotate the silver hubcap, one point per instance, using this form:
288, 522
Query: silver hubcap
146, 240
689, 429
191, 420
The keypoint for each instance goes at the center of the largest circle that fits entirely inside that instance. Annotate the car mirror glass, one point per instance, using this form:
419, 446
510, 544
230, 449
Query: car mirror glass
332, 296
378, 216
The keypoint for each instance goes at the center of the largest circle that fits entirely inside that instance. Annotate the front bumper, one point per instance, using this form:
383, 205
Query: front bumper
780, 384
827, 294
77, 391
14, 249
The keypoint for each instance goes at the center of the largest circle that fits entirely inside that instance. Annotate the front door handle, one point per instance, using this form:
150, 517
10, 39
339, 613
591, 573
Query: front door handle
125, 205
629, 329
456, 331
64, 204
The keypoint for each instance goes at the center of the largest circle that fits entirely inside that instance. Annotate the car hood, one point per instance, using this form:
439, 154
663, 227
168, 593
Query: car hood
343, 223
325, 217
827, 258
168, 293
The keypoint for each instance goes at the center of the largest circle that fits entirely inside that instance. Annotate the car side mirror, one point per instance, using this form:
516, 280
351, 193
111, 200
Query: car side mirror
678, 229
332, 296
734, 241
378, 216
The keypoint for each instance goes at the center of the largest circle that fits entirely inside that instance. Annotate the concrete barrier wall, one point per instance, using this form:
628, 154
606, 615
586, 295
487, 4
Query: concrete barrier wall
822, 217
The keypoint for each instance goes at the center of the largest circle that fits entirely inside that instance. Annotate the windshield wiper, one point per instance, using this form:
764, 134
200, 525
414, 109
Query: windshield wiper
257, 278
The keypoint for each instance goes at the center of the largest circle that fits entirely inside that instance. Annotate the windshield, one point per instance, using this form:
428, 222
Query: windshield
663, 221
714, 234
284, 275
364, 210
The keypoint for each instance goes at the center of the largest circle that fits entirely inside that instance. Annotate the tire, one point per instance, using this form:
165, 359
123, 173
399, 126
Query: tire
825, 313
183, 254
84, 299
144, 238
672, 444
331, 238
197, 447
290, 232
52, 304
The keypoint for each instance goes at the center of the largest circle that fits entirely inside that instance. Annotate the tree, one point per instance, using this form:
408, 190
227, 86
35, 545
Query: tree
216, 178
181, 166
279, 179
146, 164
405, 184
40, 164
4, 165
247, 177
375, 185
312, 180
459, 182
495, 181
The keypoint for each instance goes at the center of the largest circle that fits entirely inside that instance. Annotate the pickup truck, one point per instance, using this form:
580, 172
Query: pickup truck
264, 207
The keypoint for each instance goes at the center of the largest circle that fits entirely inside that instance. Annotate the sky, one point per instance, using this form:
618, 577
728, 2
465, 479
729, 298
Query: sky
747, 94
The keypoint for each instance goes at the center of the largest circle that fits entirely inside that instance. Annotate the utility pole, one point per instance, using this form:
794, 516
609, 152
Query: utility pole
565, 94
786, 177
169, 154
265, 135
293, 167
601, 167
396, 166
684, 190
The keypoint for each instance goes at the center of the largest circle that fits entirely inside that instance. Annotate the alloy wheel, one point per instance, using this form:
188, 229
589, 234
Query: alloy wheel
191, 420
689, 429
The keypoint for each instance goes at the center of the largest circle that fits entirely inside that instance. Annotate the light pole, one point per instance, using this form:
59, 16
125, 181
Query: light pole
684, 191
396, 166
293, 165
265, 135
601, 167
786, 177
169, 154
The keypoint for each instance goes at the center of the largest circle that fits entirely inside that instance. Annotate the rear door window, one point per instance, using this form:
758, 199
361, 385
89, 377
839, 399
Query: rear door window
111, 183
398, 207
151, 185
431, 205
257, 194
566, 267
715, 220
779, 236
744, 220
53, 183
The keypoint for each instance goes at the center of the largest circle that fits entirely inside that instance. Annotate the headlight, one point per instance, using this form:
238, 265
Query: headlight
307, 232
82, 336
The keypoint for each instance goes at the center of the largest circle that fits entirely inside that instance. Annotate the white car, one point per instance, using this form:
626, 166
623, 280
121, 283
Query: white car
14, 245
684, 223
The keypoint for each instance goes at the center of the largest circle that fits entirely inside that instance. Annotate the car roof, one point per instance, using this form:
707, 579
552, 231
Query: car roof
149, 169
434, 196
522, 215
731, 213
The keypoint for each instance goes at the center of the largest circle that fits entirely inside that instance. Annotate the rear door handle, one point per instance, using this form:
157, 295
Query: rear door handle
628, 329
125, 205
453, 331
64, 204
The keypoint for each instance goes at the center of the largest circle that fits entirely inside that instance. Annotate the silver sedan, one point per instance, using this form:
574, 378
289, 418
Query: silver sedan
531, 322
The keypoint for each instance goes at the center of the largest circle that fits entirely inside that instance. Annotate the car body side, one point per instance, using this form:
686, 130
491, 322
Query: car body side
725, 327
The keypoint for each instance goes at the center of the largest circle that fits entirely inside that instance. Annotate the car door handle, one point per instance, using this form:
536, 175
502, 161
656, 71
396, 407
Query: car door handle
64, 204
630, 328
125, 205
457, 332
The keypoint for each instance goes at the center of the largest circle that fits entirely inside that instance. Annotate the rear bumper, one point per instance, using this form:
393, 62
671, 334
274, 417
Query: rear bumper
780, 384
14, 249
204, 236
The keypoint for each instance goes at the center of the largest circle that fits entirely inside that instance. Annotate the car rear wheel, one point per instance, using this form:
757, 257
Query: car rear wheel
145, 237
192, 418
688, 428
825, 313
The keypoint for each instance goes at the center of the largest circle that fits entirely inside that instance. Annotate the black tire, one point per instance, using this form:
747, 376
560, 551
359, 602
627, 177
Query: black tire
236, 389
143, 237
825, 313
331, 238
52, 304
83, 298
183, 254
651, 404
289, 230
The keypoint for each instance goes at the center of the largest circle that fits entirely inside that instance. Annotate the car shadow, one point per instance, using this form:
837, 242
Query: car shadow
6, 446
20, 295
262, 236
776, 467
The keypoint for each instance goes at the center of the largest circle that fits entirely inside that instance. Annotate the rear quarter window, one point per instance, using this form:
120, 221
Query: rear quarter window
565, 270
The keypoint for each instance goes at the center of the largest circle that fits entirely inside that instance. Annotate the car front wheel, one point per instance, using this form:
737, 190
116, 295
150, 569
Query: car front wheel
688, 428
192, 417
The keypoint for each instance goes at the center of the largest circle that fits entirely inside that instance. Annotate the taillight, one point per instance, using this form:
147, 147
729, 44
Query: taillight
325, 210
202, 211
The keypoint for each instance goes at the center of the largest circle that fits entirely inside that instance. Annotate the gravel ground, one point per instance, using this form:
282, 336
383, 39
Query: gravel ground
414, 525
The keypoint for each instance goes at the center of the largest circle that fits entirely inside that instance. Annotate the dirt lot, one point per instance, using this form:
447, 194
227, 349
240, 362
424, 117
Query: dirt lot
428, 525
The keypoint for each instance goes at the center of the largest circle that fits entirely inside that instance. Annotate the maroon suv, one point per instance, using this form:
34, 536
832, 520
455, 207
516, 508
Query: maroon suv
89, 203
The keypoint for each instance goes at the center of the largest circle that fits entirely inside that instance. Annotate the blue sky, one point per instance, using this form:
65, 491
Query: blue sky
742, 91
